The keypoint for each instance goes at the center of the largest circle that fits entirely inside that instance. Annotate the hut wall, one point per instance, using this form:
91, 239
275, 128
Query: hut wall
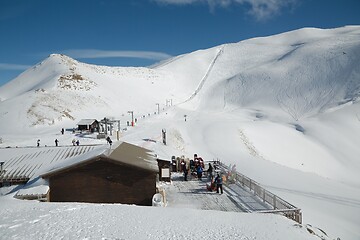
94, 126
83, 127
104, 182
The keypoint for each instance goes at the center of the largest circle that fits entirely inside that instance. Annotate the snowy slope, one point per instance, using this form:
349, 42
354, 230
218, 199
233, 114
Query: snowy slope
300, 73
296, 74
61, 89
32, 220
285, 109
289, 81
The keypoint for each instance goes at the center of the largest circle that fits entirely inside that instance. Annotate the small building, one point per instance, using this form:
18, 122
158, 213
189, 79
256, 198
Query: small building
91, 125
125, 174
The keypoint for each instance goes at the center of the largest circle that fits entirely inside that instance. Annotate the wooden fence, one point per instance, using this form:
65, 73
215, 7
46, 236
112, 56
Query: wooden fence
280, 206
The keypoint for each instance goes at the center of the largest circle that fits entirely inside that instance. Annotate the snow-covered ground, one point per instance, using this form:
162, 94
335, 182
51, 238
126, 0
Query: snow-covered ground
34, 220
285, 109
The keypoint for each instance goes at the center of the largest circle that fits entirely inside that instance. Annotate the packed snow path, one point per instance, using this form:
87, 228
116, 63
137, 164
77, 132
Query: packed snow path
194, 194
205, 77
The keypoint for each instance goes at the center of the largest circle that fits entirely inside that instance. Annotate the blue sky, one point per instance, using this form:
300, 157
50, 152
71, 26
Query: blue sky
142, 32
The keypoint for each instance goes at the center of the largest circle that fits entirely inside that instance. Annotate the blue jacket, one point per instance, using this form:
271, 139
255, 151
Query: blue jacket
218, 180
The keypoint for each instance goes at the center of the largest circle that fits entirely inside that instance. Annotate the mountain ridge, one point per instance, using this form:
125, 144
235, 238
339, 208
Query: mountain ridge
296, 76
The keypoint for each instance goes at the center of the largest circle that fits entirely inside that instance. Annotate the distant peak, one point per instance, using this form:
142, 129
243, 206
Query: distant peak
56, 55
63, 59
61, 56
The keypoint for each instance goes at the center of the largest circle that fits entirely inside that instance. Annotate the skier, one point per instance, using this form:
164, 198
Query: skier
77, 143
218, 181
56, 142
73, 142
38, 143
108, 139
62, 131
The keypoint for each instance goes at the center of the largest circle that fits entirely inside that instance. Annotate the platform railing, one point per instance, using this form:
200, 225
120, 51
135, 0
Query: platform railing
280, 206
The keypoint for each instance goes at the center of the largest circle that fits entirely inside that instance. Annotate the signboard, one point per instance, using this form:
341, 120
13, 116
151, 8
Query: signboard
165, 172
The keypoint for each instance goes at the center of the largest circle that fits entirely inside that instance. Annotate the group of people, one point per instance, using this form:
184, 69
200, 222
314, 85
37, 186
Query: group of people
74, 142
198, 161
196, 166
216, 183
184, 168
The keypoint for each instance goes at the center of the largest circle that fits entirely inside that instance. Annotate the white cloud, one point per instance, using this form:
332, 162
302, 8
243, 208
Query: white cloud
259, 9
265, 9
8, 66
94, 53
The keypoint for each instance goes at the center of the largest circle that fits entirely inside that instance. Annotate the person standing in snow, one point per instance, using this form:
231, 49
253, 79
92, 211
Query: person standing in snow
56, 142
185, 170
199, 171
38, 143
73, 142
77, 143
210, 171
108, 139
62, 131
218, 182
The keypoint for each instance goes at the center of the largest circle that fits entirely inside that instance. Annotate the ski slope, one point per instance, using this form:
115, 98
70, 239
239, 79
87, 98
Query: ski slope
285, 109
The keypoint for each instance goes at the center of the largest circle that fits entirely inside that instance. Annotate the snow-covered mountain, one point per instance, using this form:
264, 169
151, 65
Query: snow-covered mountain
285, 109
300, 73
61, 88
297, 74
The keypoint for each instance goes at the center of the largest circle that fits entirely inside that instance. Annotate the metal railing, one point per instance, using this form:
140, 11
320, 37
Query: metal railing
280, 206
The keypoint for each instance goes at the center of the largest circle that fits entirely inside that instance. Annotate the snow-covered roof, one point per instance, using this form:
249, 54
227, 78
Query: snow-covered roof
30, 162
121, 152
33, 162
86, 121
134, 155
37, 187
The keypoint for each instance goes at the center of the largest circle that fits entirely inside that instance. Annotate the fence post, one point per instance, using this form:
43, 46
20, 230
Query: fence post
274, 201
263, 195
298, 216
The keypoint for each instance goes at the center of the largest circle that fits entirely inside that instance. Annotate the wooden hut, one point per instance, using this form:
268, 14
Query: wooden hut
91, 125
126, 174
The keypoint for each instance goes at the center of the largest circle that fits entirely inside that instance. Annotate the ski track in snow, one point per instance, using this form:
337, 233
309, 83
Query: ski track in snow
252, 149
205, 77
